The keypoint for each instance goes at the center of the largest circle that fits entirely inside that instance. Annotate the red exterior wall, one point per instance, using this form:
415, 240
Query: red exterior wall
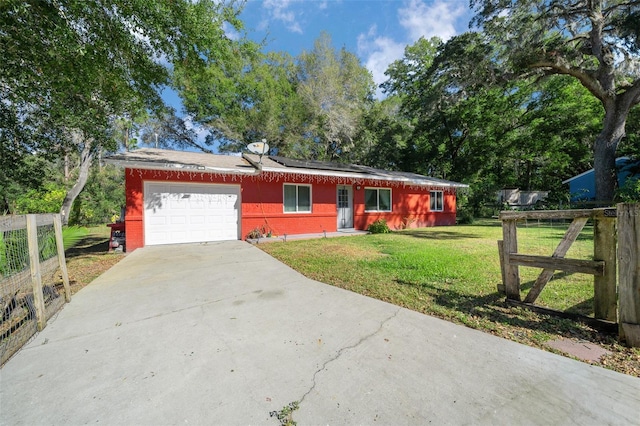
134, 211
262, 203
262, 207
410, 208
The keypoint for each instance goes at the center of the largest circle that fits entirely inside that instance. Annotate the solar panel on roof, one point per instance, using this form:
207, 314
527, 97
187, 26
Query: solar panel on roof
354, 168
318, 165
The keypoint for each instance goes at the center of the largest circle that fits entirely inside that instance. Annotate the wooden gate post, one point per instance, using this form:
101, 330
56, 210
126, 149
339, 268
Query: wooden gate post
510, 245
629, 273
604, 248
57, 226
36, 277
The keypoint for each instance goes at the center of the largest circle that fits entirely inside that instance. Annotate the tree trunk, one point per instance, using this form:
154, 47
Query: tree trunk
67, 173
85, 163
604, 166
604, 150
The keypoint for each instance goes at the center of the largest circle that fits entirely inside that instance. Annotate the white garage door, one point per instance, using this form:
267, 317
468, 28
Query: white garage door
190, 213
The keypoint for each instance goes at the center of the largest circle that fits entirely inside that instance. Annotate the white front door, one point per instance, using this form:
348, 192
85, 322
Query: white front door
176, 212
345, 206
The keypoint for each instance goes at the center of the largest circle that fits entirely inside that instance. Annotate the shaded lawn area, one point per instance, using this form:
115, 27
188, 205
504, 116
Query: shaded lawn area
90, 258
452, 273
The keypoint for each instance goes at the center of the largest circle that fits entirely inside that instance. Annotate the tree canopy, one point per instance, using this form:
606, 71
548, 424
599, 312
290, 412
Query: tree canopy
336, 89
595, 42
76, 64
71, 67
467, 123
306, 107
261, 101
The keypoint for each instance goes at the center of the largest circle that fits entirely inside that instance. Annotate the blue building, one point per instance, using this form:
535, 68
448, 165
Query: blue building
583, 186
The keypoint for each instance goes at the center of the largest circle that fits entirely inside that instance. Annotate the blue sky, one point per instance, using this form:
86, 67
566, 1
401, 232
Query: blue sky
377, 31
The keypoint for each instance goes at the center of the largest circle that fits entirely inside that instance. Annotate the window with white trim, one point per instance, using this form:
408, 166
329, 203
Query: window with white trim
297, 198
437, 201
377, 200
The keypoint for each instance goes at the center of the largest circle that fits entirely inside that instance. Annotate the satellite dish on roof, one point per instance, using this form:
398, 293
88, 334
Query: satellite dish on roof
259, 148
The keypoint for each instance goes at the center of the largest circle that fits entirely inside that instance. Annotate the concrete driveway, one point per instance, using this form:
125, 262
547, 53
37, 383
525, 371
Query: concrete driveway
224, 334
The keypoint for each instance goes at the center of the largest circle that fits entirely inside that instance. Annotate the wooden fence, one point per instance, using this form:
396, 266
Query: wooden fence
616, 270
629, 273
27, 303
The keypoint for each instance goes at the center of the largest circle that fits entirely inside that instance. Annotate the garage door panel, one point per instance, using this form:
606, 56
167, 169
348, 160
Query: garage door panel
197, 220
161, 236
157, 220
186, 213
179, 236
178, 220
178, 204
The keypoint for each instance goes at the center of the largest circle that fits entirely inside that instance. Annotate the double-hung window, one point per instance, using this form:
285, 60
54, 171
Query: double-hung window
437, 201
377, 199
297, 198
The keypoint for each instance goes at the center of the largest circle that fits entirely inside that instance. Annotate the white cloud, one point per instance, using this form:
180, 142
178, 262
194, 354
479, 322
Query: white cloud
429, 20
379, 52
279, 11
418, 19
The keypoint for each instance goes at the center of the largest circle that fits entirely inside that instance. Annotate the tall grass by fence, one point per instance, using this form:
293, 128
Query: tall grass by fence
34, 283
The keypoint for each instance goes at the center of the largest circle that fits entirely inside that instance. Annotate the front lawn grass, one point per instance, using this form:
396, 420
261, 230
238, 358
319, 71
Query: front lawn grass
453, 273
90, 258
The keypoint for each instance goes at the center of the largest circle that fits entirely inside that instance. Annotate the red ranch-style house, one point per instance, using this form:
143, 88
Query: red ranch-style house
184, 197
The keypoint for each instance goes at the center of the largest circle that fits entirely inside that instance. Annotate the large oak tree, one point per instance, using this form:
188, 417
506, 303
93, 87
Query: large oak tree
597, 42
470, 124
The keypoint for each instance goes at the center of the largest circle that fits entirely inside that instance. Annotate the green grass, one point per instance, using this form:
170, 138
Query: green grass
14, 249
99, 230
449, 272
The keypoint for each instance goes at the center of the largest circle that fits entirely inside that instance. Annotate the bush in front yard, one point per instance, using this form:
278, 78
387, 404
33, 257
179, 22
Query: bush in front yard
379, 227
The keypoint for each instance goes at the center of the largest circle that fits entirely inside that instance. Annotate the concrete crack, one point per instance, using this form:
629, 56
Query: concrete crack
198, 305
342, 350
